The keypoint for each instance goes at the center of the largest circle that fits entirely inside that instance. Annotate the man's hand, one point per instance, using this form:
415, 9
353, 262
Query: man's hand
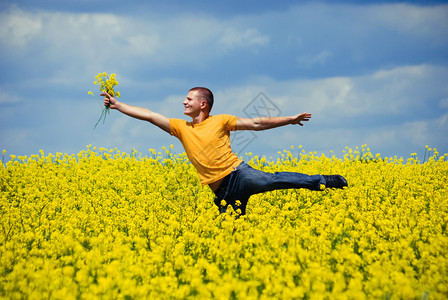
109, 100
298, 119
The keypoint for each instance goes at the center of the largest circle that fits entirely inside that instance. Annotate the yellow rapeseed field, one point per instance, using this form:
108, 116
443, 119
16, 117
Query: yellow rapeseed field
104, 224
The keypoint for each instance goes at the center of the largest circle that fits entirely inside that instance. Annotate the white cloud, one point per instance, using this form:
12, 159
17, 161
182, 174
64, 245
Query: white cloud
387, 92
309, 60
443, 121
13, 137
96, 37
234, 38
143, 44
443, 103
422, 20
17, 27
425, 132
8, 98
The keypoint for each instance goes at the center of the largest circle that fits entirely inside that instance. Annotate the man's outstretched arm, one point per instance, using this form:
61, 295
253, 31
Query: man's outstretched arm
138, 112
264, 123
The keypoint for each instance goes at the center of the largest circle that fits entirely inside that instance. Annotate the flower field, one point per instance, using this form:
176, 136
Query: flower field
112, 225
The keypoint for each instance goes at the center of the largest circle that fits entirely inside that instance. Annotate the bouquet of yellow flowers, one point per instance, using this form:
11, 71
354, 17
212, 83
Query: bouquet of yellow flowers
106, 83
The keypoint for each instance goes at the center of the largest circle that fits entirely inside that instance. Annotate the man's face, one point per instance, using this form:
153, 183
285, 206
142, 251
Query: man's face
192, 104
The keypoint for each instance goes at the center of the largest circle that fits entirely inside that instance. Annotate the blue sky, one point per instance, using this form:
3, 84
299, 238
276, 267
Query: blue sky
374, 73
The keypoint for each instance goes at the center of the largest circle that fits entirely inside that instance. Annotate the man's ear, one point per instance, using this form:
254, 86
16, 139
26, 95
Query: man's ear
203, 104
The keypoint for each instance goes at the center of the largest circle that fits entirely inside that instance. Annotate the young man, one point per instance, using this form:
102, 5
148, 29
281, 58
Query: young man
206, 140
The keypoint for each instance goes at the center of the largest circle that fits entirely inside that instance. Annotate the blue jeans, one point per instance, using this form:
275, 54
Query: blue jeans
246, 181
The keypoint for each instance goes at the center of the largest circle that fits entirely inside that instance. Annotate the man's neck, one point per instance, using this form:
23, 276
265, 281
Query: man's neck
200, 118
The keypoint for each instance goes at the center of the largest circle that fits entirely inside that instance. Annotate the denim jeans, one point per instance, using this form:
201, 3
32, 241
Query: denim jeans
246, 181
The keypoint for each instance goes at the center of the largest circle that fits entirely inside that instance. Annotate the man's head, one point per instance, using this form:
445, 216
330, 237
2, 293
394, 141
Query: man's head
198, 99
205, 94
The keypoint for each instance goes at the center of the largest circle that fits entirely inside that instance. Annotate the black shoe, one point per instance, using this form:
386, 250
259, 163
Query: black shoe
335, 181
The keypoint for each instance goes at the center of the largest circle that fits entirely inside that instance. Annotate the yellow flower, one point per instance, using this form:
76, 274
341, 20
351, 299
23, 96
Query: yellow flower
106, 84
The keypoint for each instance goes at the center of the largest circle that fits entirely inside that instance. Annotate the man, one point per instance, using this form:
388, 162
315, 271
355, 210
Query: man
206, 140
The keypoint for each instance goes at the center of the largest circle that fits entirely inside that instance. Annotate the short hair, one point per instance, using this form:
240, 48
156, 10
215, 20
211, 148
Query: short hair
206, 94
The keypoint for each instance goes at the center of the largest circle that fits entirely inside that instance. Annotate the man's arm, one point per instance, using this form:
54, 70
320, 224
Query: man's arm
138, 112
270, 122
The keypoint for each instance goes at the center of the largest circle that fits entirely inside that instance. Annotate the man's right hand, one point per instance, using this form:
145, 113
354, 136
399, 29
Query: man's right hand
109, 100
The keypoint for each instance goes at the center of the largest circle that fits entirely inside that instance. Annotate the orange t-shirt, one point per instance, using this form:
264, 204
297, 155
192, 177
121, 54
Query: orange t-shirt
207, 145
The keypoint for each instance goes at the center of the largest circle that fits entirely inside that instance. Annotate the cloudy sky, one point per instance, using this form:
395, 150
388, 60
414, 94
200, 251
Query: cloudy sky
374, 73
